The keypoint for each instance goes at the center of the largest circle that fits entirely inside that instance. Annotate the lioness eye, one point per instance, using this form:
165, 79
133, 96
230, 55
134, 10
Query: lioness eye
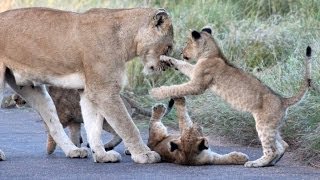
168, 50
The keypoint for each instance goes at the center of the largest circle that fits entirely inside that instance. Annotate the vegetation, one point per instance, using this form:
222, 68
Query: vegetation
265, 37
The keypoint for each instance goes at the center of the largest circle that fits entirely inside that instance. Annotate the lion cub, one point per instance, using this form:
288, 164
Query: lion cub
188, 148
242, 90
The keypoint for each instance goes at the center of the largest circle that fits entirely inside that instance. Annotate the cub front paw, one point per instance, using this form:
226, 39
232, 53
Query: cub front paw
168, 61
148, 157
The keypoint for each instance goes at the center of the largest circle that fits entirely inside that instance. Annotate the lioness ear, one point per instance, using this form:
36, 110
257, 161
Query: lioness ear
173, 146
207, 29
203, 144
195, 35
160, 17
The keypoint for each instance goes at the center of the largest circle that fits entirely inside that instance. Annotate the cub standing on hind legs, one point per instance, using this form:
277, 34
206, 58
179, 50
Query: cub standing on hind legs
188, 148
87, 51
242, 90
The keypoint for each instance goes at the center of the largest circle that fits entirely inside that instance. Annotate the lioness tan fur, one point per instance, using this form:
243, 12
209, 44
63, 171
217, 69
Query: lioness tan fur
83, 51
242, 90
188, 148
69, 112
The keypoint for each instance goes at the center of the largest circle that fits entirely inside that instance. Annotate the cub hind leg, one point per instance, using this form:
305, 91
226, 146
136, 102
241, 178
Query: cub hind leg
157, 131
267, 125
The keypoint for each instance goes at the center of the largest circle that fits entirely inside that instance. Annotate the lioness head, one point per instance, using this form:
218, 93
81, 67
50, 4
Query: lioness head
189, 145
154, 40
200, 44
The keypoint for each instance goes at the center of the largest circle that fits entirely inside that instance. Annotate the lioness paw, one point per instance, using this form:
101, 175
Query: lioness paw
78, 153
2, 156
148, 157
110, 156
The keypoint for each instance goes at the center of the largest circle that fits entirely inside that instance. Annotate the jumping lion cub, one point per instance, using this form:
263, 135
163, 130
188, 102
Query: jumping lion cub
188, 148
242, 90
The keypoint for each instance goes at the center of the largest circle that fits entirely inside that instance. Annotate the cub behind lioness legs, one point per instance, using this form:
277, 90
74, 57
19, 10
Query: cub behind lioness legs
188, 148
242, 90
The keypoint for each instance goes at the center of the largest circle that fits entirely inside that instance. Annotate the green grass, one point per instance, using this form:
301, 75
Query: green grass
264, 37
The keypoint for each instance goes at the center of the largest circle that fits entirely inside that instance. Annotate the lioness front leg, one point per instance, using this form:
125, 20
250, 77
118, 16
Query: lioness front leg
114, 111
93, 124
180, 65
39, 99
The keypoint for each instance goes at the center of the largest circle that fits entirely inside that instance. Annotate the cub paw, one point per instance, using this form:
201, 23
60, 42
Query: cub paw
78, 153
239, 157
168, 61
159, 109
106, 157
2, 156
148, 157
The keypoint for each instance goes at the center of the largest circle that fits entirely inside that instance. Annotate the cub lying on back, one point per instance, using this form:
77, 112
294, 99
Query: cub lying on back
188, 148
242, 90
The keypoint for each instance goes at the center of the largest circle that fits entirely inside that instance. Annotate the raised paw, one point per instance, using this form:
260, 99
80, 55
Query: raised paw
239, 157
110, 156
148, 157
78, 153
159, 109
2, 156
168, 61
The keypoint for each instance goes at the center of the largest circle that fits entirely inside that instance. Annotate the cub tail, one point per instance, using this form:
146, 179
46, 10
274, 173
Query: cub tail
306, 83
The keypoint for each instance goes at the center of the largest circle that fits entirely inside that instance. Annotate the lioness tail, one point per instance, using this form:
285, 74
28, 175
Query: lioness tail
2, 80
306, 84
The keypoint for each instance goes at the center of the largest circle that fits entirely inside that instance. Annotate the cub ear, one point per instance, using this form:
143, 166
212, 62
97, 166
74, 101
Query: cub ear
195, 35
203, 144
160, 17
173, 146
207, 29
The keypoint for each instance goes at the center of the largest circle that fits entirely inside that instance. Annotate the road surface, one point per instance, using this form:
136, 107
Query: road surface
23, 139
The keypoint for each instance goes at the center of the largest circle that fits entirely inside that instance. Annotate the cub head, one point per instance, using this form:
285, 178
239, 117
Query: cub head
155, 39
200, 44
189, 145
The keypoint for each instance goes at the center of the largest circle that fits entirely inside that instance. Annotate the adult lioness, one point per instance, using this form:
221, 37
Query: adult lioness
242, 90
83, 51
188, 148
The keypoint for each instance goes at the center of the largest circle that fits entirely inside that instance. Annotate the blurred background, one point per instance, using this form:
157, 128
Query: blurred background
267, 38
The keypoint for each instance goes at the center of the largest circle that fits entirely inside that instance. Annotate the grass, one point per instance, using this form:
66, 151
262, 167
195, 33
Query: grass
264, 37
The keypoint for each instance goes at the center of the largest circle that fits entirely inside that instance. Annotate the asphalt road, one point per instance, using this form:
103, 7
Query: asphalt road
23, 139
